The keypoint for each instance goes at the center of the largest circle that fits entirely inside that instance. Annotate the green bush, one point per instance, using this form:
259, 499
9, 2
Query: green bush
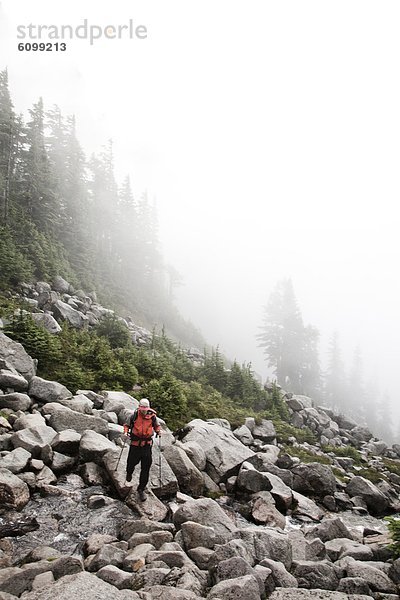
306, 456
284, 431
344, 451
394, 530
114, 330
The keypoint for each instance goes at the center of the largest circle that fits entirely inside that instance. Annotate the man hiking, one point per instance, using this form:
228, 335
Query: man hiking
142, 425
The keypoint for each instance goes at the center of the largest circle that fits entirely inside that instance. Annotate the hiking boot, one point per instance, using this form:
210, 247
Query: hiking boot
129, 477
142, 495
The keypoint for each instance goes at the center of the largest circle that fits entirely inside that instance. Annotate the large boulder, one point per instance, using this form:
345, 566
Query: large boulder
305, 507
206, 511
93, 446
34, 439
14, 356
224, 452
14, 493
16, 460
62, 417
65, 312
48, 391
47, 322
81, 585
11, 379
118, 401
298, 594
245, 588
16, 401
314, 478
251, 480
375, 500
330, 529
189, 478
267, 542
313, 574
264, 431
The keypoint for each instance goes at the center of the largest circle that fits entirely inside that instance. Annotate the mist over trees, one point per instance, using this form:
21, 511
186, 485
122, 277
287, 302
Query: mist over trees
293, 356
63, 214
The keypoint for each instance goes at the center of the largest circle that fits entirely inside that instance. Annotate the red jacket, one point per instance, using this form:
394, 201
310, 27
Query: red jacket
142, 426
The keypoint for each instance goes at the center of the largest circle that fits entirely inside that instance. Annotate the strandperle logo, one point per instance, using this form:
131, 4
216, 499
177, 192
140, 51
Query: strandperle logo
83, 31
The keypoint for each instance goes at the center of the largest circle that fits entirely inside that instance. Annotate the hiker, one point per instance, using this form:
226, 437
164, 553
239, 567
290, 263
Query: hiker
142, 425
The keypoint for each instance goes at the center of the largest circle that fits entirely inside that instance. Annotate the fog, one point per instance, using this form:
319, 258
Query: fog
268, 135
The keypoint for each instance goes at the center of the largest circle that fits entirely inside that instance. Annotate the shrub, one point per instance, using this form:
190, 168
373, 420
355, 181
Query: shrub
394, 530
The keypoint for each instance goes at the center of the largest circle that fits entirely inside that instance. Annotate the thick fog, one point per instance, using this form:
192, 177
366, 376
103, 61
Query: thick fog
268, 134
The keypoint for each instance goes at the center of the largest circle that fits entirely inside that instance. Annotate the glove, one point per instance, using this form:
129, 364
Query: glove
126, 429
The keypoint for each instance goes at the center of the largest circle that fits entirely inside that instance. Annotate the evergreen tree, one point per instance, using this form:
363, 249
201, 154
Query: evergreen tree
7, 146
335, 378
282, 336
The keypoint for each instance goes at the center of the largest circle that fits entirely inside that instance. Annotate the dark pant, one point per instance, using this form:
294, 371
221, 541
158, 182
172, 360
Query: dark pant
142, 455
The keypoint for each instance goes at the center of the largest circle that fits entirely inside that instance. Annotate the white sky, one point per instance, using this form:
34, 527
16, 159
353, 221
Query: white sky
269, 134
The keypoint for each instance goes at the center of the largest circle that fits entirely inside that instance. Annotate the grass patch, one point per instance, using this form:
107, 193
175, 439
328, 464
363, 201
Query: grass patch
345, 452
284, 431
393, 466
372, 474
339, 475
306, 456
4, 415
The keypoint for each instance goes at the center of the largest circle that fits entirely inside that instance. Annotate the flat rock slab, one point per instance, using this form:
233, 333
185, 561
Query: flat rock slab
82, 585
298, 594
152, 508
14, 356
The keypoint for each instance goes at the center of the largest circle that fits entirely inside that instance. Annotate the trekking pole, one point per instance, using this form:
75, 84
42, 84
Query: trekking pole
120, 454
159, 447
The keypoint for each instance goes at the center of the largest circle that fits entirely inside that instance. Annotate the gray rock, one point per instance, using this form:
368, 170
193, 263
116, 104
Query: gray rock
354, 585
28, 421
33, 439
93, 446
264, 512
311, 575
129, 527
14, 493
264, 431
61, 463
376, 501
330, 529
205, 511
107, 555
96, 541
66, 565
18, 580
305, 507
13, 356
45, 477
281, 493
195, 535
93, 474
245, 588
67, 442
65, 312
114, 576
135, 555
48, 391
173, 558
235, 547
297, 594
47, 322
162, 592
13, 380
196, 454
361, 434
118, 401
79, 403
341, 547
374, 577
152, 508
188, 578
82, 585
232, 568
344, 422
281, 576
201, 557
251, 480
15, 401
61, 285
266, 542
16, 460
243, 434
64, 418
189, 478
313, 478
223, 450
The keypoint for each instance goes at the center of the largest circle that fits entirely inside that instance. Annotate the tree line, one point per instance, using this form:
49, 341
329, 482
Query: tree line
61, 213
292, 353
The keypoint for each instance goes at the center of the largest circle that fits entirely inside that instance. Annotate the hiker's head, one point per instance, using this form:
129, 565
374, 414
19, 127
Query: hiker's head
144, 405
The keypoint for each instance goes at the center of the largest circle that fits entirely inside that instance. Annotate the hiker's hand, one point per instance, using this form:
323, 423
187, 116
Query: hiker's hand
126, 429
158, 433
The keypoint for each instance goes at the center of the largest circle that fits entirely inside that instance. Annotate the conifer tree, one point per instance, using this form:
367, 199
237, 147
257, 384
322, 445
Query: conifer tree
335, 378
7, 137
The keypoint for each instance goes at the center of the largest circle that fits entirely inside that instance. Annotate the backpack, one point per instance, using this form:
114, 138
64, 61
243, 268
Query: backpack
151, 428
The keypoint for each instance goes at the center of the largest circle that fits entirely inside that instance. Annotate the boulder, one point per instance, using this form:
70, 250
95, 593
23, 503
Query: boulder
114, 576
48, 391
61, 285
61, 463
16, 460
189, 478
107, 555
79, 403
11, 379
329, 529
28, 421
264, 512
196, 454
232, 568
361, 434
118, 401
312, 574
14, 493
305, 507
81, 585
152, 508
264, 431
297, 594
63, 418
224, 452
266, 542
281, 493
377, 580
163, 592
195, 535
342, 547
65, 312
281, 576
34, 439
245, 588
243, 434
251, 480
67, 442
376, 501
93, 446
15, 401
13, 356
47, 322
205, 511
313, 478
